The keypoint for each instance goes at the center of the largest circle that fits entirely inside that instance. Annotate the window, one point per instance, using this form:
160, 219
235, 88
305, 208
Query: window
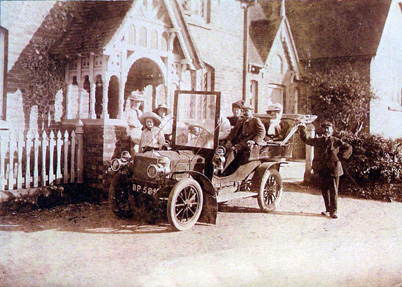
276, 95
3, 71
143, 37
400, 97
254, 95
277, 64
198, 10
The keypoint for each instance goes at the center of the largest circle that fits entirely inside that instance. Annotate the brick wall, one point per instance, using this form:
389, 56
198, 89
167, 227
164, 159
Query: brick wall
220, 44
102, 143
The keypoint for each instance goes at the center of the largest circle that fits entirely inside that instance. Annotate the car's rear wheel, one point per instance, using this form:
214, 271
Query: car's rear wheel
185, 204
271, 189
119, 201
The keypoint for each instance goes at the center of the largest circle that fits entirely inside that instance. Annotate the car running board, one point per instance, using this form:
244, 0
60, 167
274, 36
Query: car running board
235, 195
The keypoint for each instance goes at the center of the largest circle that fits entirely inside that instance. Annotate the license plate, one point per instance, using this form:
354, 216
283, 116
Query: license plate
145, 189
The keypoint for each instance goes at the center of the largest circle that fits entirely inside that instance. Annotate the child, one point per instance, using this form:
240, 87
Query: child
152, 138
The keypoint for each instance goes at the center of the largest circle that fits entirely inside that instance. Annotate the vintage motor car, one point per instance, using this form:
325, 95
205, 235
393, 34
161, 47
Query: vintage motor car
188, 175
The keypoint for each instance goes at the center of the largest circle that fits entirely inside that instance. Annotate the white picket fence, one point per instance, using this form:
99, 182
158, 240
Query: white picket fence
33, 160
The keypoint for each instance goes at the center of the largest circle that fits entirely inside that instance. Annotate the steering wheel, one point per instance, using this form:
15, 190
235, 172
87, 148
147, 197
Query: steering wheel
203, 131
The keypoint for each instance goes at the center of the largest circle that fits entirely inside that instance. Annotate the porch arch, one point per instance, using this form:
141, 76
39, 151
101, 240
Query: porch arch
136, 56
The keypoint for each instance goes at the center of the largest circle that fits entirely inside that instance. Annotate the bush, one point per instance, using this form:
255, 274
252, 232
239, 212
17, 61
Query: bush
375, 160
374, 170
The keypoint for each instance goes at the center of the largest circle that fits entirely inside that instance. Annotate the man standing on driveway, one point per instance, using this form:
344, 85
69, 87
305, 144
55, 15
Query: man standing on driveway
327, 164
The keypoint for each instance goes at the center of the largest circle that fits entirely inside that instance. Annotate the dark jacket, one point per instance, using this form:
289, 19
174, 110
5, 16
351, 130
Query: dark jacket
327, 152
244, 131
233, 120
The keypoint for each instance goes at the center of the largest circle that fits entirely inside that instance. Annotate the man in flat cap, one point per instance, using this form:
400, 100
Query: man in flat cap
237, 112
326, 163
248, 130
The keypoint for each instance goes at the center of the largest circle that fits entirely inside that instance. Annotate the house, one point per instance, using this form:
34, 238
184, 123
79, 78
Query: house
75, 63
366, 35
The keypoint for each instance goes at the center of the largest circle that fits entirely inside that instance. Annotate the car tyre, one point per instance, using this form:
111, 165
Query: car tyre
185, 204
119, 197
271, 189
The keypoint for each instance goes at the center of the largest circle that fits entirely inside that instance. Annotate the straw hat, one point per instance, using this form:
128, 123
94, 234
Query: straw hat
153, 116
162, 106
274, 108
136, 96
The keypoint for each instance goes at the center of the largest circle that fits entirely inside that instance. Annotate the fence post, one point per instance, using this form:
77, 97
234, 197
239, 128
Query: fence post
80, 155
59, 142
65, 165
51, 157
3, 149
20, 140
36, 160
72, 172
44, 147
11, 161
310, 131
28, 144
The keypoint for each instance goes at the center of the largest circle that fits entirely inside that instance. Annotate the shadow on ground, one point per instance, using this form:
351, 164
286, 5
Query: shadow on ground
85, 218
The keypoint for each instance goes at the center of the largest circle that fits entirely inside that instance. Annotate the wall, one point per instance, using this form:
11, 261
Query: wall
220, 44
386, 78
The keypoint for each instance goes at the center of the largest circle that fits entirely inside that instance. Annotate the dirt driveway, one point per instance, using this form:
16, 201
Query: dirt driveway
84, 245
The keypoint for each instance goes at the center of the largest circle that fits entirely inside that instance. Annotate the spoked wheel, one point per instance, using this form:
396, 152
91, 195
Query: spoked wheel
185, 204
119, 197
271, 189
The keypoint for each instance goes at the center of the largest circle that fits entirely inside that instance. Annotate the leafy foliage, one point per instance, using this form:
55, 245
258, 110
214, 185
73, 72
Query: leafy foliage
43, 72
375, 168
340, 96
374, 159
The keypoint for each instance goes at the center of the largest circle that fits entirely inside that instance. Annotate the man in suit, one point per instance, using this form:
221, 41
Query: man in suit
327, 164
248, 131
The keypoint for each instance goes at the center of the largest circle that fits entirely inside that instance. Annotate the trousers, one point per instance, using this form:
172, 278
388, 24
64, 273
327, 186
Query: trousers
329, 186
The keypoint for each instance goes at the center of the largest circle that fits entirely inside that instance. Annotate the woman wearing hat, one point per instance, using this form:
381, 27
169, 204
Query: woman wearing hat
133, 113
152, 138
166, 119
276, 129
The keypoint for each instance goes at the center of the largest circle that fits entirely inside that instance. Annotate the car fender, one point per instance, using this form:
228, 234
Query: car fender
259, 172
210, 205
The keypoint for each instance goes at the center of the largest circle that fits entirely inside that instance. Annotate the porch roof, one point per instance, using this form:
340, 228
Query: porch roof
95, 24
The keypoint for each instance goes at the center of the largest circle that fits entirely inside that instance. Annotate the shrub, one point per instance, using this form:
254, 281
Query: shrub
374, 160
339, 96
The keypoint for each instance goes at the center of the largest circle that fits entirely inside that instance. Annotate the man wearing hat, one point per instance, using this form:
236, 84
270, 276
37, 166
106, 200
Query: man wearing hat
166, 119
276, 129
326, 163
237, 111
133, 113
152, 138
248, 130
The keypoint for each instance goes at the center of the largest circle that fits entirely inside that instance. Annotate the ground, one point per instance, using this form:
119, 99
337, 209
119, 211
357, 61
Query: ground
85, 245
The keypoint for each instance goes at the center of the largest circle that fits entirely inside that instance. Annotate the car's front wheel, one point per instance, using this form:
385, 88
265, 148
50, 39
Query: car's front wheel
119, 197
185, 204
271, 189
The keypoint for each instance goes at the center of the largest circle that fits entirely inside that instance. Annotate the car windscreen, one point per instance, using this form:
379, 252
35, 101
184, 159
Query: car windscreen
196, 119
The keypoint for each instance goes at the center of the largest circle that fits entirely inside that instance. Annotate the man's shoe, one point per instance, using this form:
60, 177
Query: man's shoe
334, 215
325, 213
